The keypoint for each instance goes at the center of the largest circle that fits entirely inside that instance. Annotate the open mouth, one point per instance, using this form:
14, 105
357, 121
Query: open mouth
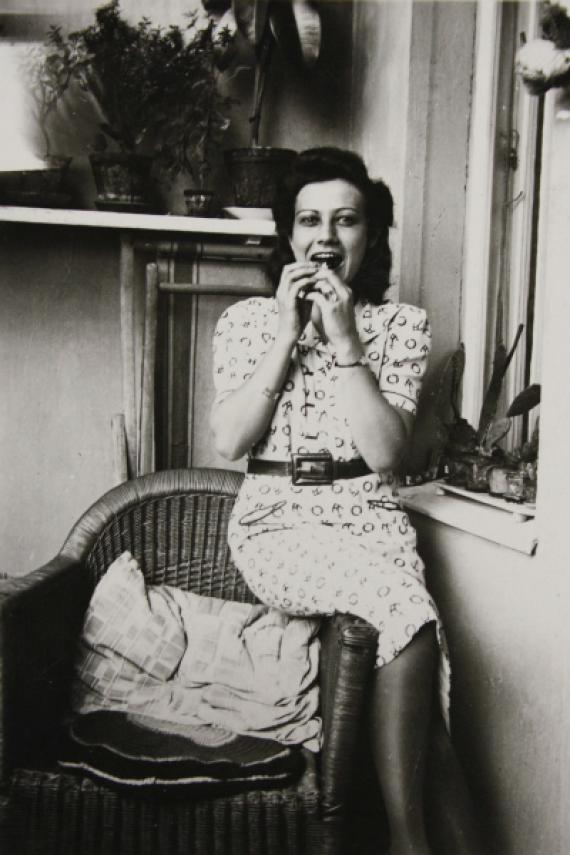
331, 259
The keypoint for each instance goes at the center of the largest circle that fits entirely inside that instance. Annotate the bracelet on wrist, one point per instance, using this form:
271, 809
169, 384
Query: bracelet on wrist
360, 361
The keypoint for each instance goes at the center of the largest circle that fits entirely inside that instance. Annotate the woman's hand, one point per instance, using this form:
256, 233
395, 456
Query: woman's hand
296, 279
378, 430
335, 300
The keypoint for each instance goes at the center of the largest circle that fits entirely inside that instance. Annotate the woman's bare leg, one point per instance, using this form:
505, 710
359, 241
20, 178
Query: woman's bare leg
413, 755
401, 722
453, 820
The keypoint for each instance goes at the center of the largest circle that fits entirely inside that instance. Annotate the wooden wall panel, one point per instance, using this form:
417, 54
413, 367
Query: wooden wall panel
191, 301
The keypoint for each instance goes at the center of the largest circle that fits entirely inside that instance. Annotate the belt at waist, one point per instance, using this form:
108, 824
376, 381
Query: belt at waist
310, 468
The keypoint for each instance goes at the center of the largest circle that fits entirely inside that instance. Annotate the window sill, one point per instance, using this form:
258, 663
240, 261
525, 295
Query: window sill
468, 515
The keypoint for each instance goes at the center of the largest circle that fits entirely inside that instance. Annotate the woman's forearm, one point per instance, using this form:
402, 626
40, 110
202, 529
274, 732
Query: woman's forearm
242, 418
379, 431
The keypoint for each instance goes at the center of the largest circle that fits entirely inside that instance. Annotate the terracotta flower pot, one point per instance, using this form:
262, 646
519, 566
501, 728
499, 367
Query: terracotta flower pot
469, 471
122, 181
254, 173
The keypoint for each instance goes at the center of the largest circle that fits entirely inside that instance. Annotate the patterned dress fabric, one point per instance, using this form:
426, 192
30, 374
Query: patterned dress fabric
348, 546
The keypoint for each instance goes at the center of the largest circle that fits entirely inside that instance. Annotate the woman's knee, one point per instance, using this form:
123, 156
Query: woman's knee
422, 648
426, 637
414, 664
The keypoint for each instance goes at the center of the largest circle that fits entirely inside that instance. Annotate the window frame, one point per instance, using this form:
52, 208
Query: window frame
484, 253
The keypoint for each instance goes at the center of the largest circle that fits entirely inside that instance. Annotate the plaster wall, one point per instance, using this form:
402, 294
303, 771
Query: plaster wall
506, 613
506, 633
60, 381
380, 91
60, 369
411, 94
434, 217
554, 478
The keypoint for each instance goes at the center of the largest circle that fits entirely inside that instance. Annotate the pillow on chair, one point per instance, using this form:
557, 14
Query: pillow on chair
124, 750
173, 688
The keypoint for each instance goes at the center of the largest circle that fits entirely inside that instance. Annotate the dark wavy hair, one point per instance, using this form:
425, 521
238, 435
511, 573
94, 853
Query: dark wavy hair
327, 164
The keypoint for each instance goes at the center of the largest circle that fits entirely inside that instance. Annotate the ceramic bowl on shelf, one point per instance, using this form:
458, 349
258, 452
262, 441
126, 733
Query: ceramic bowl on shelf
248, 213
42, 187
123, 206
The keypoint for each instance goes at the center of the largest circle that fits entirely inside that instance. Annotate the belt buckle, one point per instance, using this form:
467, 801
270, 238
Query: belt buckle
307, 469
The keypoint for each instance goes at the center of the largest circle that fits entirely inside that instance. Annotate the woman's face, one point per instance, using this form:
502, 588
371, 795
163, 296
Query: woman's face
330, 226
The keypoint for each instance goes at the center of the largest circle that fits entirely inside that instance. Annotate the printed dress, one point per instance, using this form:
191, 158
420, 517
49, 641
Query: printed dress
344, 547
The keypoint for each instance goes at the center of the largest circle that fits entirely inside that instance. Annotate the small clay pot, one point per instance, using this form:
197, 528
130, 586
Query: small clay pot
199, 203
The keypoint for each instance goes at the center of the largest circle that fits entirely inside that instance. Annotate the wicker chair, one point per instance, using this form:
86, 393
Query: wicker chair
175, 523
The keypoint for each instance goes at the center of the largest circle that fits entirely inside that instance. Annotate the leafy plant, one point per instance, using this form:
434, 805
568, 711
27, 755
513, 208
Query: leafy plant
153, 90
48, 77
458, 437
191, 115
294, 25
524, 402
470, 457
465, 454
114, 64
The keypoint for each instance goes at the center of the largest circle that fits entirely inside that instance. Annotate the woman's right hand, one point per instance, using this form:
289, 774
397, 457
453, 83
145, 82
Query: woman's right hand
297, 277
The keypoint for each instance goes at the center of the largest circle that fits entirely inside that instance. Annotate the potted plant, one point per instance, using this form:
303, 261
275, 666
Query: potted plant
473, 458
465, 454
523, 461
43, 184
262, 24
191, 116
153, 94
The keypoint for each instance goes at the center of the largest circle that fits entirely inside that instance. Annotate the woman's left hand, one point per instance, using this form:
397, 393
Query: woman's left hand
335, 300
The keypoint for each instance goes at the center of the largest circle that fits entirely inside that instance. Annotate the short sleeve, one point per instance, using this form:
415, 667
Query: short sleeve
242, 335
408, 344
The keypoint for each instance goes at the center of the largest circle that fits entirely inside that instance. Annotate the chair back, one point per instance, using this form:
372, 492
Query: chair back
174, 523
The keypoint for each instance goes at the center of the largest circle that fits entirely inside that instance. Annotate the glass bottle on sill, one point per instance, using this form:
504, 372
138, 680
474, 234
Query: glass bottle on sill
530, 478
498, 480
515, 487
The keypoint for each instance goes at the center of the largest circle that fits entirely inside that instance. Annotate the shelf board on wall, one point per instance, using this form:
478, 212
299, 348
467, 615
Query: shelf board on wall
246, 228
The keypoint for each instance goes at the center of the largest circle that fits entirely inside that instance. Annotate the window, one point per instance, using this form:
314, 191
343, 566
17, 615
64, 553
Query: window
502, 224
16, 149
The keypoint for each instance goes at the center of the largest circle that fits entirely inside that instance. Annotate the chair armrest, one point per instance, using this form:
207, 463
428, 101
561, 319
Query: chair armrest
348, 653
41, 616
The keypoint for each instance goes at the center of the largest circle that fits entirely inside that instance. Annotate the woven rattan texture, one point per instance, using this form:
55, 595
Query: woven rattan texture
178, 540
68, 817
175, 524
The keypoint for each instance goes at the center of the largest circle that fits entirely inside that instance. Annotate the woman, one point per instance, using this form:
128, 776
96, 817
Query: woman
319, 385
